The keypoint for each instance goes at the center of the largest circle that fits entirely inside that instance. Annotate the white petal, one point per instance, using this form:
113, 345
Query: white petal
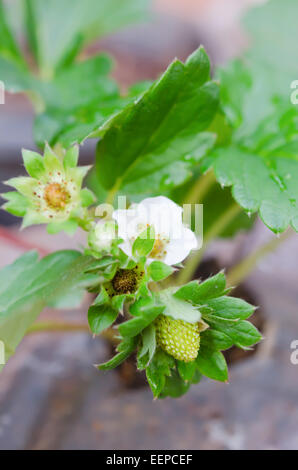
162, 213
127, 221
179, 249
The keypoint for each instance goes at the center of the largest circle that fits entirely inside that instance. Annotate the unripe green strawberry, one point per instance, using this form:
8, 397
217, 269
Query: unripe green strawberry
178, 338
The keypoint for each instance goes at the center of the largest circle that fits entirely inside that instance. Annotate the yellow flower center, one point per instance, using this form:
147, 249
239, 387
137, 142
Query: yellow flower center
56, 196
159, 248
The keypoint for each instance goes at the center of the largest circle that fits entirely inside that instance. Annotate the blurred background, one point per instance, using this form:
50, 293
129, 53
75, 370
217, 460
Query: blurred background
51, 397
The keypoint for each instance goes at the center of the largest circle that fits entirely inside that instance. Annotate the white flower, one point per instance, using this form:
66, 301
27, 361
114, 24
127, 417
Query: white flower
173, 241
101, 236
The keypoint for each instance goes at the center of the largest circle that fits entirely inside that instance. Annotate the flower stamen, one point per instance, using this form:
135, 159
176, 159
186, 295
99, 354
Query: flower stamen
158, 250
56, 196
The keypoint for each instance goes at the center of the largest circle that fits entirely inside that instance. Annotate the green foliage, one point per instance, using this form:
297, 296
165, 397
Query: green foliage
179, 309
212, 364
57, 30
144, 311
158, 270
101, 317
125, 349
159, 138
29, 284
261, 162
144, 243
147, 350
156, 140
72, 99
221, 320
158, 370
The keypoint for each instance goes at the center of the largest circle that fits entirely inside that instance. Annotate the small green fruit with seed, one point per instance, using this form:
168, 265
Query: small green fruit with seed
178, 338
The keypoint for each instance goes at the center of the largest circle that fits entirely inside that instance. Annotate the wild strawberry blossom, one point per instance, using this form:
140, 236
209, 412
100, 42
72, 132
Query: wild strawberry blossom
173, 240
52, 192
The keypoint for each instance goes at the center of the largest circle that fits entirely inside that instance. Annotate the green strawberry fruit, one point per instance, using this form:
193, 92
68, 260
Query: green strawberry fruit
178, 338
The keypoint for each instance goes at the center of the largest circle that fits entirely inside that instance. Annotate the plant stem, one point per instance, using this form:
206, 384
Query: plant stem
200, 188
45, 327
187, 273
240, 272
112, 193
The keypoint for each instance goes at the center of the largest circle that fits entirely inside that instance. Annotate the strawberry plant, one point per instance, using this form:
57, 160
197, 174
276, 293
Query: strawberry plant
227, 141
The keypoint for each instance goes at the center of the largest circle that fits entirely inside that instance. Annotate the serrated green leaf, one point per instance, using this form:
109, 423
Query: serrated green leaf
161, 128
261, 184
242, 333
231, 308
212, 364
158, 270
197, 293
28, 285
261, 164
216, 340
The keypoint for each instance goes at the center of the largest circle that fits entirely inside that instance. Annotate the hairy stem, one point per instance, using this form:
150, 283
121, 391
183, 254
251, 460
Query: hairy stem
219, 225
200, 188
240, 272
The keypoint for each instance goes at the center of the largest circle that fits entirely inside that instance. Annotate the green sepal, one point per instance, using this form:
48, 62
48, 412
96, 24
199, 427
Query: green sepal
100, 317
125, 349
143, 245
34, 163
158, 270
187, 370
68, 226
87, 197
51, 161
178, 309
71, 157
174, 386
147, 350
157, 371
212, 364
145, 311
197, 293
16, 203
